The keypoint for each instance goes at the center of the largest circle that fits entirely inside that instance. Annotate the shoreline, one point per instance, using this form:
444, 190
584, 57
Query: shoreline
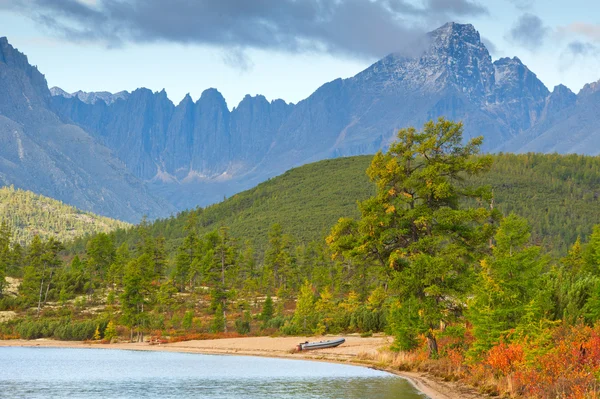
280, 347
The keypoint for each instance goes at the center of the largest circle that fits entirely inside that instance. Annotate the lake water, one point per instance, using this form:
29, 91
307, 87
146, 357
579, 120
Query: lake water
98, 373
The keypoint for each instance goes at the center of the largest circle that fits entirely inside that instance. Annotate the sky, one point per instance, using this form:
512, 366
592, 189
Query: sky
281, 48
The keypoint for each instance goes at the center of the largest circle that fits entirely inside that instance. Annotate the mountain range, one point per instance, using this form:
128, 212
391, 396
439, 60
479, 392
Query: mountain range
196, 152
44, 154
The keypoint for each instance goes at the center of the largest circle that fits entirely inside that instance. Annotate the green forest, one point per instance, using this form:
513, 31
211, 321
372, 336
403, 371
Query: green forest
557, 194
28, 215
484, 268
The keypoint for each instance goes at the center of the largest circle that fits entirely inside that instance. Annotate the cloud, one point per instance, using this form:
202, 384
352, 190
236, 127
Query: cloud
238, 59
529, 31
522, 4
581, 48
591, 31
575, 52
357, 28
491, 47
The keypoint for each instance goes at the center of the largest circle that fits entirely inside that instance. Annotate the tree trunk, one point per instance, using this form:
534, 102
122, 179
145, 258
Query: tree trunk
41, 290
432, 345
48, 286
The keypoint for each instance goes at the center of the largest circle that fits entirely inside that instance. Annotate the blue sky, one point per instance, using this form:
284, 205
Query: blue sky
280, 48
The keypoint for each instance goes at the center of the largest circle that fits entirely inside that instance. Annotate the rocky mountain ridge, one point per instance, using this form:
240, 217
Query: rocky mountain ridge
41, 153
91, 97
196, 152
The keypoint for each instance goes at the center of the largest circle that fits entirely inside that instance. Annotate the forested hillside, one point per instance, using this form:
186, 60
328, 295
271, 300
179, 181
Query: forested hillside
557, 194
29, 214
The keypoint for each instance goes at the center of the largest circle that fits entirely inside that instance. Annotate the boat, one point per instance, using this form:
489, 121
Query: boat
332, 343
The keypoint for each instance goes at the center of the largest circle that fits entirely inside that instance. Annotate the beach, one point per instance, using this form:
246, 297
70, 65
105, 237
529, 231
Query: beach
355, 351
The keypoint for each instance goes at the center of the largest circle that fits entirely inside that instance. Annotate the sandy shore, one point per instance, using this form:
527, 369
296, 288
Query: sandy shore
352, 352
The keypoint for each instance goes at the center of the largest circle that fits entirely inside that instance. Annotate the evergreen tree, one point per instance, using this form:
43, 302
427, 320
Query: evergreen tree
110, 332
219, 323
188, 320
592, 253
304, 320
133, 298
509, 286
417, 229
100, 255
32, 274
278, 264
117, 268
187, 253
5, 253
267, 311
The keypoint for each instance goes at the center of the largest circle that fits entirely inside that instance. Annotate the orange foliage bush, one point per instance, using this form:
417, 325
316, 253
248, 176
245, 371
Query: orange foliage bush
567, 366
504, 359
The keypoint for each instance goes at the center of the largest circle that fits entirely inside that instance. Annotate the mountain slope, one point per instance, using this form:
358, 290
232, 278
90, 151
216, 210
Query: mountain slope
29, 214
39, 152
197, 152
573, 128
559, 195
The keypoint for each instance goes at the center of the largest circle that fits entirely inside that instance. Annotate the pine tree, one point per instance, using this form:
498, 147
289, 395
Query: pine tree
110, 332
304, 315
97, 335
508, 286
133, 298
188, 320
219, 322
267, 311
100, 255
187, 253
5, 253
279, 267
416, 230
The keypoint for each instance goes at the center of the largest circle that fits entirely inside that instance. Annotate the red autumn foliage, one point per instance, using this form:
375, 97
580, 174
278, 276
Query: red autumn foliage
505, 359
566, 366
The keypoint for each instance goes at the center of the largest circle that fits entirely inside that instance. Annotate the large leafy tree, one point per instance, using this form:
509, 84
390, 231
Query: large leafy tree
418, 228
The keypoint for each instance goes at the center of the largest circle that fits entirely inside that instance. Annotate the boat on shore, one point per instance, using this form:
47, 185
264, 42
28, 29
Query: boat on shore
331, 343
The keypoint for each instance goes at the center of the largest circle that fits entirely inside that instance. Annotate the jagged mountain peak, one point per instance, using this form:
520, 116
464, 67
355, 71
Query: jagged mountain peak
57, 91
454, 58
589, 89
508, 61
212, 96
13, 58
561, 97
512, 72
249, 99
93, 96
451, 31
561, 88
43, 153
211, 92
186, 100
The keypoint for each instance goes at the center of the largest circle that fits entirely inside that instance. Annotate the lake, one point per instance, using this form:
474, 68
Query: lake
99, 373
